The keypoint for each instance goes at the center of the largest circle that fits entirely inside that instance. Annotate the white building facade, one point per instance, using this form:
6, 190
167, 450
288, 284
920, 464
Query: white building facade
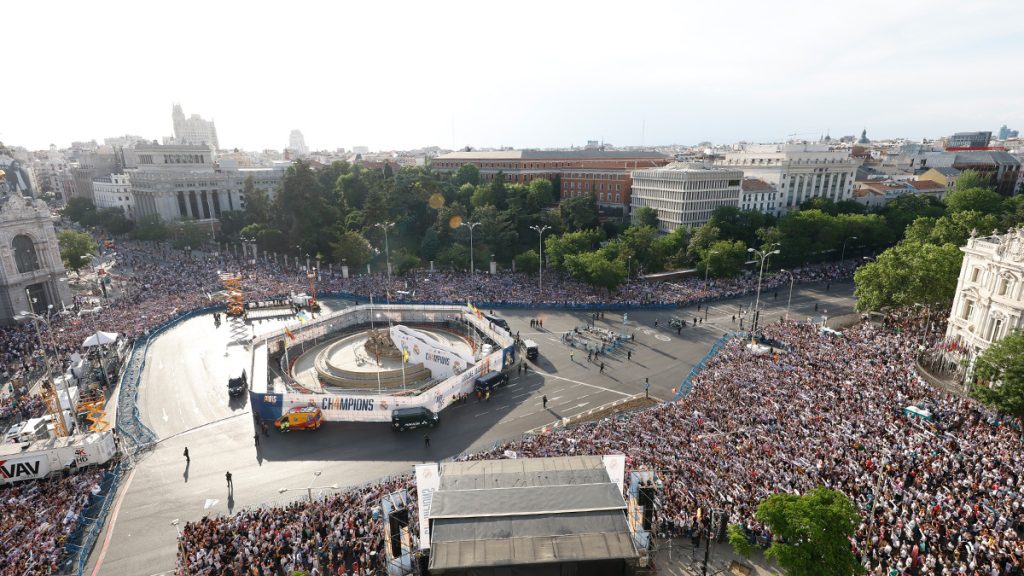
760, 196
989, 300
798, 171
114, 191
685, 194
183, 183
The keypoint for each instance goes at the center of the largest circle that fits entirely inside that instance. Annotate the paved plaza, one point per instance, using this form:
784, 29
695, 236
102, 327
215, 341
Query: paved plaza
183, 398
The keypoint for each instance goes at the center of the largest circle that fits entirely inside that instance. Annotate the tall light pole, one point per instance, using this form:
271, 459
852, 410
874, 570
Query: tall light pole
58, 426
471, 225
790, 300
842, 260
757, 301
387, 250
540, 265
707, 267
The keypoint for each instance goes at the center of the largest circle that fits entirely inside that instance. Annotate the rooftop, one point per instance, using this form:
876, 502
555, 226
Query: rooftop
527, 511
552, 155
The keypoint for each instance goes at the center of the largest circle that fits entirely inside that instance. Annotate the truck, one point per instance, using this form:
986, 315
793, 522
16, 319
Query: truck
308, 417
303, 300
38, 459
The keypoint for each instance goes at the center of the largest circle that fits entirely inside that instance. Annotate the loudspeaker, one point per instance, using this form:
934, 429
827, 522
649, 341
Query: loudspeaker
398, 520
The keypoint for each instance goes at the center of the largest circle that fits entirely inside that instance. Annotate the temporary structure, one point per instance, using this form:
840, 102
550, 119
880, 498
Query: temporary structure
99, 339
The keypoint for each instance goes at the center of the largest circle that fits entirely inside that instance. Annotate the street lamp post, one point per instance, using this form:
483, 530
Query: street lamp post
309, 489
46, 360
471, 225
762, 255
842, 259
387, 248
790, 300
540, 265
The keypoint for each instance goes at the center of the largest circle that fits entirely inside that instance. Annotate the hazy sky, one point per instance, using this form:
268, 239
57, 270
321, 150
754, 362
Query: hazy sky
526, 74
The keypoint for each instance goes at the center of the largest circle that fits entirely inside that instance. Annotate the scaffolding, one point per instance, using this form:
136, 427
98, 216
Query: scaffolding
60, 430
235, 296
92, 406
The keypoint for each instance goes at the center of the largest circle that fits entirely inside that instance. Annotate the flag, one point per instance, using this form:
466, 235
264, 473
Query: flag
405, 354
302, 316
288, 333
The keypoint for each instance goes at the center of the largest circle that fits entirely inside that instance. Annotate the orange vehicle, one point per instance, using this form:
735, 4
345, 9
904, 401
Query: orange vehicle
300, 418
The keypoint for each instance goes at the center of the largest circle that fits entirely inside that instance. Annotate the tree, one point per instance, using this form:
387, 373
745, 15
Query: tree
638, 243
702, 239
969, 179
113, 221
354, 190
497, 231
978, 199
528, 262
482, 196
76, 249
231, 223
812, 532
956, 227
723, 259
556, 247
303, 210
78, 209
467, 174
738, 539
455, 256
903, 210
188, 234
352, 249
540, 194
402, 261
257, 203
150, 227
596, 269
826, 205
907, 274
671, 248
1000, 369
579, 213
645, 216
430, 244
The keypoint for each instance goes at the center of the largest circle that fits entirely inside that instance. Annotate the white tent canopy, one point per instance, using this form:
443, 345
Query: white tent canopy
99, 339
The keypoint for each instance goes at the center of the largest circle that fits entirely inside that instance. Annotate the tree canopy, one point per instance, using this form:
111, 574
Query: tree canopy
812, 532
76, 249
1000, 373
907, 274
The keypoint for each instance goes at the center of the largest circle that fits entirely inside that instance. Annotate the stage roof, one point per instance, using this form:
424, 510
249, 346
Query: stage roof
527, 511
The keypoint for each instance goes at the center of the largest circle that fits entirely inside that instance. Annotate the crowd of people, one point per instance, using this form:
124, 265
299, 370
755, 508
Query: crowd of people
341, 534
937, 497
38, 517
153, 283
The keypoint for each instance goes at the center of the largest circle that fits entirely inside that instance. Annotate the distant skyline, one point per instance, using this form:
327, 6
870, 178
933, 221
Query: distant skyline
536, 74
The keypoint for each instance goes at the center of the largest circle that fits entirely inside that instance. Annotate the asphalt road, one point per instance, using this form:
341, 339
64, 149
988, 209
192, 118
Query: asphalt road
183, 398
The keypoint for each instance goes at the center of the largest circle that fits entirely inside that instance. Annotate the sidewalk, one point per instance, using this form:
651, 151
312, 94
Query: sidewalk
685, 561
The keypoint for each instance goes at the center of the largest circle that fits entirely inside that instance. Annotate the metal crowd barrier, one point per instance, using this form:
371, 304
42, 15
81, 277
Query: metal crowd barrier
687, 384
90, 523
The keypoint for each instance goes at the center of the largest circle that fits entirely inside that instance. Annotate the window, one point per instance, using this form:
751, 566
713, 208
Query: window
968, 310
1004, 286
25, 253
975, 272
995, 330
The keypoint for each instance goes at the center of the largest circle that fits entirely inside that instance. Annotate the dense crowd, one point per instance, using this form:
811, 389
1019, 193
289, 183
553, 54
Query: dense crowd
341, 534
823, 409
38, 517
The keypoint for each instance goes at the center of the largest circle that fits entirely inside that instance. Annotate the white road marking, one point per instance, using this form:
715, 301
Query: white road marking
480, 414
663, 338
585, 384
582, 405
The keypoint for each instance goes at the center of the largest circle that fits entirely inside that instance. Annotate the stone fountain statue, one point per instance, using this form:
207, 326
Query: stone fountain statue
379, 345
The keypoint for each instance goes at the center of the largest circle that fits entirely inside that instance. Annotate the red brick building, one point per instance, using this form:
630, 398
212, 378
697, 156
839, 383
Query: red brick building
605, 173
